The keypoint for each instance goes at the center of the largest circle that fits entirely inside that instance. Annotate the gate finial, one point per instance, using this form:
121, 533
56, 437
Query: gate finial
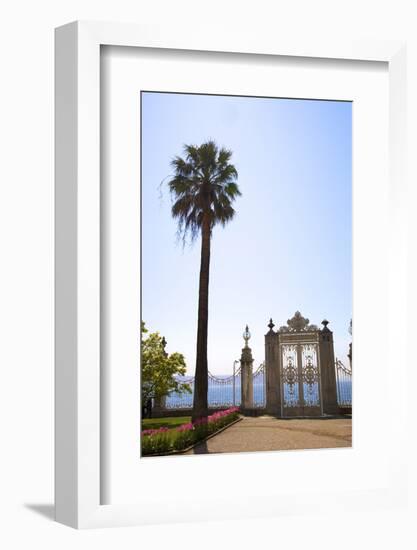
271, 326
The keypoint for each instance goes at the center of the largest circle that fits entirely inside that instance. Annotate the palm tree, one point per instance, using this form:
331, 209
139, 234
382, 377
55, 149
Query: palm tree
203, 188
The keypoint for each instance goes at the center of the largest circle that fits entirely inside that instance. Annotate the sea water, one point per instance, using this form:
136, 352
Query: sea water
227, 394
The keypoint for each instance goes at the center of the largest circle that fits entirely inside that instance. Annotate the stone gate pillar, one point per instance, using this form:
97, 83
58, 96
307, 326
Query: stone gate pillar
246, 365
327, 369
273, 381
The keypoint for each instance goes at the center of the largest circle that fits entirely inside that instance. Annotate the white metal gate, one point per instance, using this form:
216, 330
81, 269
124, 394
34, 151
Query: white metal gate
300, 379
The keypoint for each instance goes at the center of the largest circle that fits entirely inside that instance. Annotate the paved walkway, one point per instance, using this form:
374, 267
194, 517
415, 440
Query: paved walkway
265, 433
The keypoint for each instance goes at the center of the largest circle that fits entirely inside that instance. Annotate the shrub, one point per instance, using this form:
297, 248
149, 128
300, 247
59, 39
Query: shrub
164, 440
155, 441
184, 436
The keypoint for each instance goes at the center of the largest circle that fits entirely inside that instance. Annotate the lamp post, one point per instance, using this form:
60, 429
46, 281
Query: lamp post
246, 336
246, 373
234, 380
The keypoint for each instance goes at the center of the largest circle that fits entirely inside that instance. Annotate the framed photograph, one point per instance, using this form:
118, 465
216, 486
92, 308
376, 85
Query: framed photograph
228, 212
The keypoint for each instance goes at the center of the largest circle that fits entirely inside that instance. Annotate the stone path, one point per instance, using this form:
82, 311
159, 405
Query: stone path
265, 433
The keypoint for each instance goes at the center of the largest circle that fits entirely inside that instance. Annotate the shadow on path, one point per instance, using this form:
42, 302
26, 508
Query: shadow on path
201, 449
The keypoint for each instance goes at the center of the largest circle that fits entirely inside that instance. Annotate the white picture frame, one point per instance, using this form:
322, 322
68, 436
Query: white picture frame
78, 405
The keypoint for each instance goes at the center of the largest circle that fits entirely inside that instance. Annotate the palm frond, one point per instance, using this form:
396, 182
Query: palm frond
204, 186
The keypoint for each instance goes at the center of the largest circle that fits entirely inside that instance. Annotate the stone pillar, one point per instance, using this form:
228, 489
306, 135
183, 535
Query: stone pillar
272, 367
327, 370
246, 366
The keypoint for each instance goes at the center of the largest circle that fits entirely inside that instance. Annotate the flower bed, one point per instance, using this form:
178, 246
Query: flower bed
164, 440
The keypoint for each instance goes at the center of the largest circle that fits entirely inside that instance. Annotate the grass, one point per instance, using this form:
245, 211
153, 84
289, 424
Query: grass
170, 422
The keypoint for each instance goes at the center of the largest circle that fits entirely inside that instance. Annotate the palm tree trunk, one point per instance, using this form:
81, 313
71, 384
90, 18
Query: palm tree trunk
200, 404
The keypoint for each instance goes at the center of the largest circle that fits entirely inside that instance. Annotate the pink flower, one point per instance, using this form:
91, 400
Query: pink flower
154, 432
185, 427
200, 421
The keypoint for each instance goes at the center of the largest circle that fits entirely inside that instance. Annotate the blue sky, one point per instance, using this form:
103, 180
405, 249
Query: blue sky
290, 244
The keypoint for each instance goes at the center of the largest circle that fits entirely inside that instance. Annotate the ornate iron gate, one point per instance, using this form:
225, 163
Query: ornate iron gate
223, 391
300, 379
344, 385
300, 376
259, 387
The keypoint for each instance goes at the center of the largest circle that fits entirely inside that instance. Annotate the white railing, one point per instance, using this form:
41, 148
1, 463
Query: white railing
344, 384
223, 391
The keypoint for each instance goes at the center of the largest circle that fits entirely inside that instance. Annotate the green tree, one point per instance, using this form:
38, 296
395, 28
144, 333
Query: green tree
159, 369
203, 189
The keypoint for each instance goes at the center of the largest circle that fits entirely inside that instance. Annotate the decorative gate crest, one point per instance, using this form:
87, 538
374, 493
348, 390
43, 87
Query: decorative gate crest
298, 324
